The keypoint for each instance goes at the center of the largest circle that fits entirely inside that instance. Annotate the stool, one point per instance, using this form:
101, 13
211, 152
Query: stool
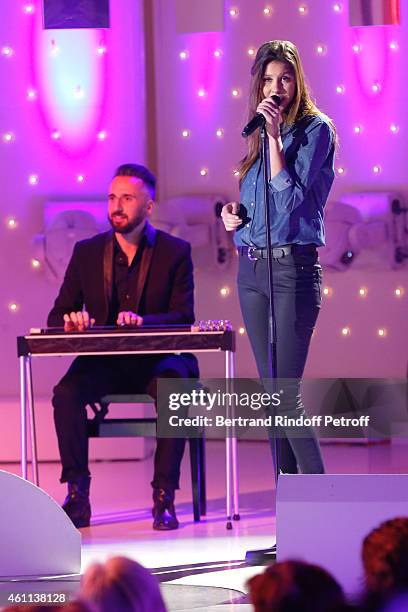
101, 427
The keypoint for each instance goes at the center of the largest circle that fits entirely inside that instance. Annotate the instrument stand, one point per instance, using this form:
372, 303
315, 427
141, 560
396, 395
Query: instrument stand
267, 555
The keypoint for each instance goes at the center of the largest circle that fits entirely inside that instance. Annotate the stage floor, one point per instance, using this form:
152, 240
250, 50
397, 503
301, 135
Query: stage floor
200, 565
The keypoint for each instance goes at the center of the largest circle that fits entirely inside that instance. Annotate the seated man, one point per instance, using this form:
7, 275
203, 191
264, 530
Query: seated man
131, 275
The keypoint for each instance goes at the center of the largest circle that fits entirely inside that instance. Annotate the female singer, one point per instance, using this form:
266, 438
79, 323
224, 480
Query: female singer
301, 143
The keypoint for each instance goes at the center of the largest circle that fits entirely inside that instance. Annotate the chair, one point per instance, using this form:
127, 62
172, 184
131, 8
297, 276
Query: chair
101, 427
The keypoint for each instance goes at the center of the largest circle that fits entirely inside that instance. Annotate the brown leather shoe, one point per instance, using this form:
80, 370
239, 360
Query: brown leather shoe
164, 513
76, 503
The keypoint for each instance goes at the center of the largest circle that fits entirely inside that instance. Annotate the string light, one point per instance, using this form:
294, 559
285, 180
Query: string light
236, 173
224, 291
376, 169
320, 49
251, 51
357, 129
302, 9
11, 223
399, 292
327, 291
13, 307
346, 331
340, 89
357, 48
102, 135
394, 128
7, 51
375, 88
55, 135
217, 53
241, 331
183, 55
393, 45
233, 12
382, 332
29, 9
185, 133
235, 93
201, 93
341, 170
31, 95
203, 171
80, 178
35, 263
219, 133
33, 179
8, 137
337, 7
362, 292
101, 49
267, 11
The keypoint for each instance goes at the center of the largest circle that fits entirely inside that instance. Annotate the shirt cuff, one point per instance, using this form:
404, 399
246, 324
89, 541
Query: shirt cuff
281, 181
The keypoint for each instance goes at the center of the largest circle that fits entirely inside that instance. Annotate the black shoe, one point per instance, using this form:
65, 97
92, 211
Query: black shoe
164, 513
76, 503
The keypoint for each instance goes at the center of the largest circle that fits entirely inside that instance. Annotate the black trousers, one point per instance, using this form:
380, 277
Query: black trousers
88, 379
297, 299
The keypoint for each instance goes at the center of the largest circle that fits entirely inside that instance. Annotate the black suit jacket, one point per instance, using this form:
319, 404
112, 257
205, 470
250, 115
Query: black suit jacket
165, 288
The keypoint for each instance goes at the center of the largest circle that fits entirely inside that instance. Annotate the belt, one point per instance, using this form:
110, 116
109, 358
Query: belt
254, 253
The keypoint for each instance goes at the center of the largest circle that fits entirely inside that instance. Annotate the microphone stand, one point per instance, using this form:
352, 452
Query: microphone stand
264, 556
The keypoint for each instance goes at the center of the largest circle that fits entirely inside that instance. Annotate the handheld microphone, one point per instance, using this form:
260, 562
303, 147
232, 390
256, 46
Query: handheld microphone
257, 121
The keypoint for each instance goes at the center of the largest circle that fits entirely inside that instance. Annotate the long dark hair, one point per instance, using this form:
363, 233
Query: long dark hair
301, 105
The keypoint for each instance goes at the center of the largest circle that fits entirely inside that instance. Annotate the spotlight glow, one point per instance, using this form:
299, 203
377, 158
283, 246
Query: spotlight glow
394, 128
102, 135
203, 171
218, 53
357, 129
302, 9
224, 291
11, 223
29, 9
241, 331
376, 169
251, 51
362, 292
55, 135
7, 51
201, 93
327, 291
320, 49
33, 179
31, 95
219, 133
183, 55
267, 11
185, 133
340, 89
357, 48
80, 178
375, 88
35, 263
13, 307
341, 170
8, 137
233, 12
382, 332
393, 45
399, 292
346, 331
337, 7
235, 93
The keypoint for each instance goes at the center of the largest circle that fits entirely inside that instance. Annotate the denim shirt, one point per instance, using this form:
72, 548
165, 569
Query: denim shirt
297, 194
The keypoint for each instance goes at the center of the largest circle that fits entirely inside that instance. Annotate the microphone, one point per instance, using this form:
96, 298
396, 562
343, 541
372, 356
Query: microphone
257, 121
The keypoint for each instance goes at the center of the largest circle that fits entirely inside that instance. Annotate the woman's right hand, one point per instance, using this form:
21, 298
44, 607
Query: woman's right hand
230, 216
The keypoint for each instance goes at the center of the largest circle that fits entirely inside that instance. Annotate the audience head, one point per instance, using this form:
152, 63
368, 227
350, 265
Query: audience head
385, 557
295, 586
122, 584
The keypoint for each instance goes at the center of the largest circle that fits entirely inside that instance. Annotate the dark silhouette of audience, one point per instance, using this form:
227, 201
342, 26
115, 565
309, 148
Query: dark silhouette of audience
295, 586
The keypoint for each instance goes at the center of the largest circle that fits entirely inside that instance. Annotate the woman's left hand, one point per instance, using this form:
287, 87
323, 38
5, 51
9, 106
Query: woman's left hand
270, 110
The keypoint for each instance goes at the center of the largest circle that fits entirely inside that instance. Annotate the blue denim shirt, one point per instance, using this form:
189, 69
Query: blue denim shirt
297, 194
